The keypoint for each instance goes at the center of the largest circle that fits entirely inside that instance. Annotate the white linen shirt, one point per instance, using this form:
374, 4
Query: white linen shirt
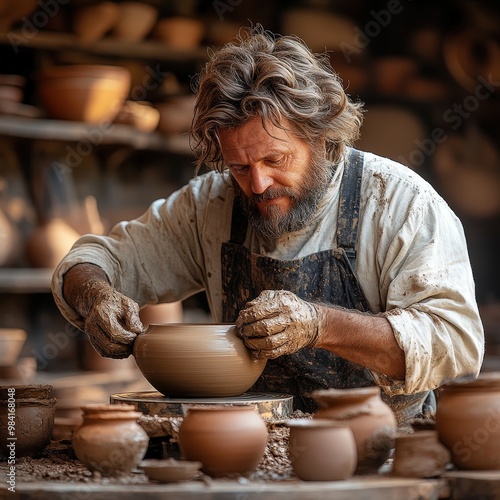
412, 262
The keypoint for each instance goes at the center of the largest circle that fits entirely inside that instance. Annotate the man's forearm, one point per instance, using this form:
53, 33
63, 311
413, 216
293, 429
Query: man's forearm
77, 284
363, 339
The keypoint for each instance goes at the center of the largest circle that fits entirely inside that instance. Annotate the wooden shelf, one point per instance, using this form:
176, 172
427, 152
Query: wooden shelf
61, 130
25, 280
147, 50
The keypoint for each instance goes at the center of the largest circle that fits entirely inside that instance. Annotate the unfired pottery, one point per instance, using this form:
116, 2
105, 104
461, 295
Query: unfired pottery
321, 449
110, 440
87, 93
225, 439
419, 455
33, 412
372, 422
170, 470
467, 422
196, 360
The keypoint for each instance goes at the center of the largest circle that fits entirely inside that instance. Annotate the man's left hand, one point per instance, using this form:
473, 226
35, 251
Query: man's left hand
277, 323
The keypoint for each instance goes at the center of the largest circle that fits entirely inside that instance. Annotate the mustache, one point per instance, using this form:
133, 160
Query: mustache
271, 194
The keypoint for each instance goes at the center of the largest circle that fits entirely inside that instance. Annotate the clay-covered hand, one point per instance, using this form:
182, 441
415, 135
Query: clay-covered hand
278, 322
112, 323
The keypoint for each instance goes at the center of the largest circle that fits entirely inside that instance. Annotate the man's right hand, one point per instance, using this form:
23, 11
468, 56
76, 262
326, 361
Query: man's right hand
111, 319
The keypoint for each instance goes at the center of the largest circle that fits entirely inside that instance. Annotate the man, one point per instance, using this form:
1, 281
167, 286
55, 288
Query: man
344, 269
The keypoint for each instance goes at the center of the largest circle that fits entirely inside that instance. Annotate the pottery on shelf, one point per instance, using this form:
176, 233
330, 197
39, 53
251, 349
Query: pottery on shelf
91, 22
179, 32
80, 92
372, 422
419, 455
176, 114
33, 420
225, 439
110, 441
11, 342
321, 449
135, 21
196, 360
467, 422
12, 11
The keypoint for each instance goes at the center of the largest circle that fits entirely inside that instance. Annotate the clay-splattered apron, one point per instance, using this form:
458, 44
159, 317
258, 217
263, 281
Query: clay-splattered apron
326, 277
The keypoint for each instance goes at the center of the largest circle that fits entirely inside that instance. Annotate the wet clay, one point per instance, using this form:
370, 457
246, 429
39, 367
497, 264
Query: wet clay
196, 360
278, 323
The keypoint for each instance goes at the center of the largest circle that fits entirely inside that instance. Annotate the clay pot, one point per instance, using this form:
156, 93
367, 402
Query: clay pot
226, 440
142, 116
32, 412
170, 470
176, 114
196, 360
372, 422
92, 22
110, 440
11, 343
87, 93
467, 422
321, 450
180, 32
135, 21
419, 455
49, 243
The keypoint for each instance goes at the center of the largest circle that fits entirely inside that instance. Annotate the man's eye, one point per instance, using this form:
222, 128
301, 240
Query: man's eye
238, 169
276, 161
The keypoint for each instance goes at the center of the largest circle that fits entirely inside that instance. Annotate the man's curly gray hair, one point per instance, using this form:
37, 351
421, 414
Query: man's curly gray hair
280, 79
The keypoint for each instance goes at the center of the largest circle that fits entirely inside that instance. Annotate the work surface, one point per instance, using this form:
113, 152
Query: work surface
357, 488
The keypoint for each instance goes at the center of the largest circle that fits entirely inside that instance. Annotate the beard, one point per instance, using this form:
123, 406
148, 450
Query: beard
305, 200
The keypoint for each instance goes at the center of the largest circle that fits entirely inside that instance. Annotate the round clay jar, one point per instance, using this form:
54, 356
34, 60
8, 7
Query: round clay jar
467, 422
225, 439
372, 422
321, 450
26, 419
110, 440
196, 360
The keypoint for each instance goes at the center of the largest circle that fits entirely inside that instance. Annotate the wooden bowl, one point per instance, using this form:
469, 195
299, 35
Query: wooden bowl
196, 360
170, 470
87, 93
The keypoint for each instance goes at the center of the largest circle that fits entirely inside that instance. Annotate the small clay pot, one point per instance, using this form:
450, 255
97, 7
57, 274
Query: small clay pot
11, 343
91, 22
176, 114
419, 455
196, 360
26, 420
226, 440
179, 32
467, 422
135, 21
372, 422
321, 450
170, 470
110, 441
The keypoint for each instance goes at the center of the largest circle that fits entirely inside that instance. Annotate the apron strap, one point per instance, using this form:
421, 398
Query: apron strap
350, 194
239, 223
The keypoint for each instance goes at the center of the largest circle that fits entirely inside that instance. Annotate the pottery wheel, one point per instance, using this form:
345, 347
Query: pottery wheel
271, 406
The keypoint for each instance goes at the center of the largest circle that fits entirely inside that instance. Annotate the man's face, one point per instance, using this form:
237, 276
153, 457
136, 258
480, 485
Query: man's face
279, 180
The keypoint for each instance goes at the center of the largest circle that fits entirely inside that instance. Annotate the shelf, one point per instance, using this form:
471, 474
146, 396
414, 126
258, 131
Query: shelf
25, 280
61, 130
149, 49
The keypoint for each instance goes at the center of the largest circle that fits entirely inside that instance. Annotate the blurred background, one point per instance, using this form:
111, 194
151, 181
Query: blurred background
82, 149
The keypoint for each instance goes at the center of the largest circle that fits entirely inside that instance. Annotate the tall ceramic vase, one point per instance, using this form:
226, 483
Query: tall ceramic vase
110, 440
225, 439
468, 422
372, 422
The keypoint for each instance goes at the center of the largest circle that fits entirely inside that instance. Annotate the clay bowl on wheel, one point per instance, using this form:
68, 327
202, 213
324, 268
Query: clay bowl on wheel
196, 360
87, 93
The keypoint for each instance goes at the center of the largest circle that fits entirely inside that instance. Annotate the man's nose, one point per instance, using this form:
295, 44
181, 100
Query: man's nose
260, 180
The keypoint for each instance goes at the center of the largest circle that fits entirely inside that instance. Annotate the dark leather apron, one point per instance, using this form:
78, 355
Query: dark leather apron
326, 277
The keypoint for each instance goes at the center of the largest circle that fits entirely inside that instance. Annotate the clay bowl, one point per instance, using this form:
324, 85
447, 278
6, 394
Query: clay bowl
196, 360
180, 32
135, 21
140, 115
87, 93
91, 22
11, 343
170, 470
